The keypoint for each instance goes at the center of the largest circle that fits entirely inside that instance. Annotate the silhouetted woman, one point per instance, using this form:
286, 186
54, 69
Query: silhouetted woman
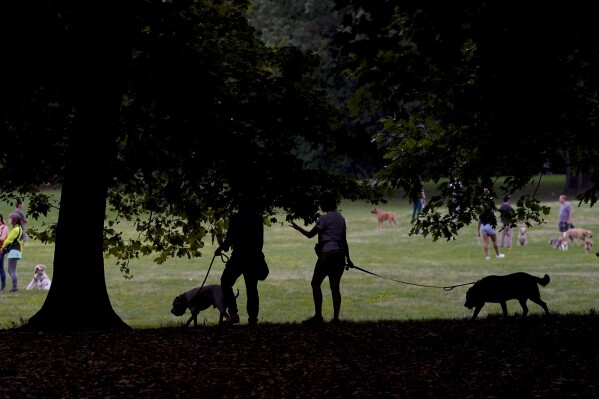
332, 237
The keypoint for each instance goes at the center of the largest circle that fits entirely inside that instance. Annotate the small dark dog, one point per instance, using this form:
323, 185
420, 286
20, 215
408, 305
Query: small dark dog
197, 300
500, 289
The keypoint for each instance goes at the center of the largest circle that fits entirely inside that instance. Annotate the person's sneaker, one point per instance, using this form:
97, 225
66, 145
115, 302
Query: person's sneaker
500, 256
234, 318
335, 321
314, 320
487, 257
14, 290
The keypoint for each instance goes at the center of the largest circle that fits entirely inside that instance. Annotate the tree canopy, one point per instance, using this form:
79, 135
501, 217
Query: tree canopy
484, 94
206, 106
168, 112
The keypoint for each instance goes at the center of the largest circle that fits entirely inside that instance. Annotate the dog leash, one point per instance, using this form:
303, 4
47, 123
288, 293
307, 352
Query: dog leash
446, 288
222, 257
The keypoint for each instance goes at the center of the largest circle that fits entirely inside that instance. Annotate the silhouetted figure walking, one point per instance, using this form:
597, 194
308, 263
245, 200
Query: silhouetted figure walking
246, 237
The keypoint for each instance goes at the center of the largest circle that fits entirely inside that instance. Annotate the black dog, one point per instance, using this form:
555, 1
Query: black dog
197, 300
500, 289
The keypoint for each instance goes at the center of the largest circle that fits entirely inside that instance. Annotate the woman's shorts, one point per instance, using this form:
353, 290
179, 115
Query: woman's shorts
487, 229
331, 264
14, 254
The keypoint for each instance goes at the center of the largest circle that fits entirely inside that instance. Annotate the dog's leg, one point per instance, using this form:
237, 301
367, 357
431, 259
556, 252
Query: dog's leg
194, 318
476, 311
524, 307
189, 321
504, 309
542, 304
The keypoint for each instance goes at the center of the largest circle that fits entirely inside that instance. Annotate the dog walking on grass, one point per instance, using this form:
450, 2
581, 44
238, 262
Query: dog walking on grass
500, 289
198, 299
382, 216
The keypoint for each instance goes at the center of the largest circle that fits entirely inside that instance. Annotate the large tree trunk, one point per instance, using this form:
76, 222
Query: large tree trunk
78, 298
576, 184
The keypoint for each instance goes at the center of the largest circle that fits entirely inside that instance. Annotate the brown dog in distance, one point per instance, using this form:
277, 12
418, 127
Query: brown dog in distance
500, 289
381, 216
581, 234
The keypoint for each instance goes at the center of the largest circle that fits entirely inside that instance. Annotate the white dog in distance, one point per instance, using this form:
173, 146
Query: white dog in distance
40, 279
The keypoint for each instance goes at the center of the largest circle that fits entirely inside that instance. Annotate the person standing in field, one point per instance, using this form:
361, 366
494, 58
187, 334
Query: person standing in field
246, 237
505, 213
564, 221
487, 223
3, 236
19, 211
332, 251
417, 204
13, 246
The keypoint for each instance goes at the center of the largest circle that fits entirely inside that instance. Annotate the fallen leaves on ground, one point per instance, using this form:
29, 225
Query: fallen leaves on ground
544, 357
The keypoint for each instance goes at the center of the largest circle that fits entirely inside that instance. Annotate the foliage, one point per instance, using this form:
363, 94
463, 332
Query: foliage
476, 93
310, 25
209, 115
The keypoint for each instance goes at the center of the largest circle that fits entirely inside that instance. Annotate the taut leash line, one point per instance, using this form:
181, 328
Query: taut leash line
446, 288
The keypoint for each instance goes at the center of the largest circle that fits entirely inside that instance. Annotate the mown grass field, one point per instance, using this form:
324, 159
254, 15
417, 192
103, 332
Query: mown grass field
285, 297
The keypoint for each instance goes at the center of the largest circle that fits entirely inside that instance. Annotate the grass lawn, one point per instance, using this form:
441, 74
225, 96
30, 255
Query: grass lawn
285, 297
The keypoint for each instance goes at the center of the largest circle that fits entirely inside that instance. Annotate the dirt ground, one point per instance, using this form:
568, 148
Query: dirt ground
555, 357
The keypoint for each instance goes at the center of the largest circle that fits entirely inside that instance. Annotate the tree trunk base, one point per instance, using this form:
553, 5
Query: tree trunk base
45, 320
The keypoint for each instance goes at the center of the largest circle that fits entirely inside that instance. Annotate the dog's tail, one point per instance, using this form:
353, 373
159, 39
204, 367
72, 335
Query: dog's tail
543, 281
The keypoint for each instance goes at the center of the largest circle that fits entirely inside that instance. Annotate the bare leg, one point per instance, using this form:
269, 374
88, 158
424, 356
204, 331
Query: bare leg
317, 295
12, 271
336, 294
494, 239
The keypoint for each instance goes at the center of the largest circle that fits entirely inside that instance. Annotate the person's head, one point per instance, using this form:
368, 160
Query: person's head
507, 197
562, 199
15, 219
328, 202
